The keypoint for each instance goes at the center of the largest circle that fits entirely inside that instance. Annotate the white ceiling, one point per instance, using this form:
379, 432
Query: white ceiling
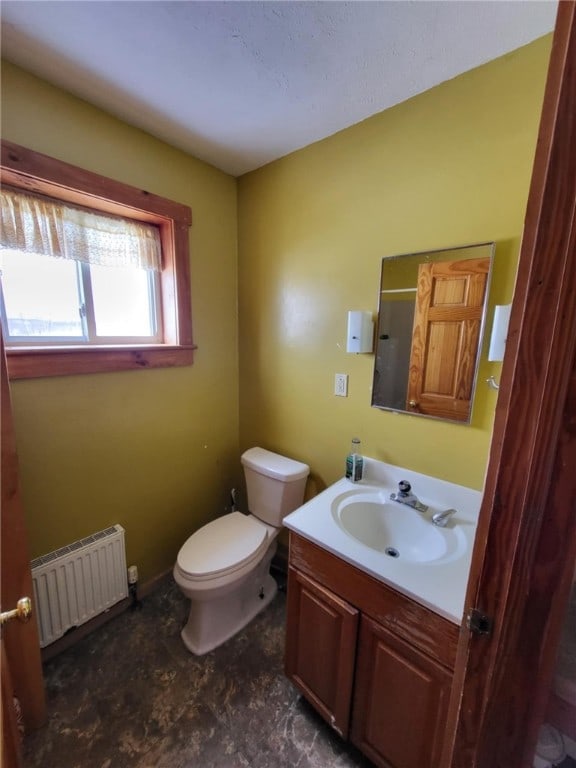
239, 84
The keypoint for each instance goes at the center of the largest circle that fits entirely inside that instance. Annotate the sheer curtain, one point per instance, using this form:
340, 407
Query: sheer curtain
41, 225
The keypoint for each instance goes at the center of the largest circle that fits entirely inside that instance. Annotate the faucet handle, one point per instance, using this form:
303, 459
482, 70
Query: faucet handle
404, 487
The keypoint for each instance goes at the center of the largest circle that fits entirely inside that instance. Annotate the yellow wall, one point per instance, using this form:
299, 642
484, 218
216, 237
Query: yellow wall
449, 167
156, 451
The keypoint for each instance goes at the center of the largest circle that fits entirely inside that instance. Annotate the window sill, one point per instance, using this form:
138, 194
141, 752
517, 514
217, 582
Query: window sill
35, 362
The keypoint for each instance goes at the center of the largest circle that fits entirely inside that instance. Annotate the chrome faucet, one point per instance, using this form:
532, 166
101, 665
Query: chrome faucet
441, 518
405, 496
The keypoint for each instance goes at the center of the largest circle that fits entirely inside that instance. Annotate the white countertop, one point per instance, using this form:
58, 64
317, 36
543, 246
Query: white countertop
439, 585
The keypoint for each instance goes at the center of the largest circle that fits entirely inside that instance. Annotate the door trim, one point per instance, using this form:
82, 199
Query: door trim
525, 546
20, 641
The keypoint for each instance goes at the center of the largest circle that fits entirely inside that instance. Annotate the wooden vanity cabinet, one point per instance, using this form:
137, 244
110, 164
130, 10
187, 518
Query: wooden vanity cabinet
400, 701
321, 654
375, 664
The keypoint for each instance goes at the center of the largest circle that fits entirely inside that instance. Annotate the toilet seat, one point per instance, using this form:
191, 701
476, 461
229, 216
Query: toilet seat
222, 546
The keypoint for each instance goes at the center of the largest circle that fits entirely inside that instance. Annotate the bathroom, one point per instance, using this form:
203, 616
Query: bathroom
278, 258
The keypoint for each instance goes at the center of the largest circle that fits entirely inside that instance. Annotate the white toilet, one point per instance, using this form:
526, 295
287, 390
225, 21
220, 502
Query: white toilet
223, 568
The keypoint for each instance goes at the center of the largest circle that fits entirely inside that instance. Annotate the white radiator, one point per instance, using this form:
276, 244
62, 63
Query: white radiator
79, 581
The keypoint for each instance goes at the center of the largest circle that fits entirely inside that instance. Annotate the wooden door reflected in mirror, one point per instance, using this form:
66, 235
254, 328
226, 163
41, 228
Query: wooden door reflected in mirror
430, 324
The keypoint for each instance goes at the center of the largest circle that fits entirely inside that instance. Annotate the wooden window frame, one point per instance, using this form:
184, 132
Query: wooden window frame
35, 172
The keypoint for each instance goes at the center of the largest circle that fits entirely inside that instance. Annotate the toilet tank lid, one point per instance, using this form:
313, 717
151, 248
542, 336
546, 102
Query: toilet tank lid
274, 465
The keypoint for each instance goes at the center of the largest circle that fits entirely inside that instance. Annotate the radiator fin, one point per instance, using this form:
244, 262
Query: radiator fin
75, 583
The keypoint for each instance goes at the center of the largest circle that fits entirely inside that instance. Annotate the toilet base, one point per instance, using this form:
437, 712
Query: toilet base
212, 622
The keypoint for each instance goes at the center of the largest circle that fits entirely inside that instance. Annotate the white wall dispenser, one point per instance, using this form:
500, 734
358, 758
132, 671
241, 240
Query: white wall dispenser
360, 336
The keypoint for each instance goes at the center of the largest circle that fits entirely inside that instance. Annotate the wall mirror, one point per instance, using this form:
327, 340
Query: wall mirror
431, 317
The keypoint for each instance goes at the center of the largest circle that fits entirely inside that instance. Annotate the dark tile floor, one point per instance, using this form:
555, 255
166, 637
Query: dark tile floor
131, 696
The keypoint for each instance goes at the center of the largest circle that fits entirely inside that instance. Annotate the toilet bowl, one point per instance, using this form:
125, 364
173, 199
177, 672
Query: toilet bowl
224, 567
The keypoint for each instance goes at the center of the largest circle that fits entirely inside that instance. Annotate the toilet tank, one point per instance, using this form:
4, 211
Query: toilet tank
275, 484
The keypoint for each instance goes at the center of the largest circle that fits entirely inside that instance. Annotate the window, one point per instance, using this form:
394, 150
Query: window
95, 274
72, 276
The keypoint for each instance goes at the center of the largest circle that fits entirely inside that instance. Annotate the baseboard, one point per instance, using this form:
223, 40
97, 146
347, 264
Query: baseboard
76, 634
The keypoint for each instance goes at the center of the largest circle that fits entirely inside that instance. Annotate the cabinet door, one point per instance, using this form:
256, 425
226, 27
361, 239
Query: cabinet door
400, 701
320, 648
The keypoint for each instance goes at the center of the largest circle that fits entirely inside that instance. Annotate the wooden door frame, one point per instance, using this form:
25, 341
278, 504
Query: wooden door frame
525, 546
21, 659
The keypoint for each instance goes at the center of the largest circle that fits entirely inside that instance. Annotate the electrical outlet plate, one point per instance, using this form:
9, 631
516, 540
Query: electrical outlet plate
341, 384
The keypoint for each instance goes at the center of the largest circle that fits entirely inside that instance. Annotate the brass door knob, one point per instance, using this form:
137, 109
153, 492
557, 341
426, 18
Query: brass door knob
413, 403
23, 611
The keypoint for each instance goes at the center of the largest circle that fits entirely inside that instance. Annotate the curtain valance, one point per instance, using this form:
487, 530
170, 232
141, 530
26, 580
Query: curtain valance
44, 226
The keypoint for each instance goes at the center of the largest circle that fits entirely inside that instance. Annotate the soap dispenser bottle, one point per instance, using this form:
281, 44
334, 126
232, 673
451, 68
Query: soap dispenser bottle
354, 461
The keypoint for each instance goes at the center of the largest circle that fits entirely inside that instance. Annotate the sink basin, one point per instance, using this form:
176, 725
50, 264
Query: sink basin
399, 546
398, 531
